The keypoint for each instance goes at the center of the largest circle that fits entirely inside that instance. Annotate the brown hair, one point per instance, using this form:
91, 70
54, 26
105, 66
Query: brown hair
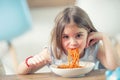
75, 14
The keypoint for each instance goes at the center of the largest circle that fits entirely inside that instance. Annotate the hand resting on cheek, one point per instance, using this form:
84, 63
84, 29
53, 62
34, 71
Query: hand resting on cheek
93, 38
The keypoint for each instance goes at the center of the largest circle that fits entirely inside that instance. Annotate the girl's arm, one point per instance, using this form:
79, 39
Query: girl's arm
106, 53
34, 63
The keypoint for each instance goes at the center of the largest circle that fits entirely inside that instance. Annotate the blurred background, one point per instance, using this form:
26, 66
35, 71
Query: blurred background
103, 13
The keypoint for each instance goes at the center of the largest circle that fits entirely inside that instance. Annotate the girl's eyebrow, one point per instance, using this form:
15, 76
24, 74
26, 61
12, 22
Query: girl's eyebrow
75, 33
64, 34
80, 33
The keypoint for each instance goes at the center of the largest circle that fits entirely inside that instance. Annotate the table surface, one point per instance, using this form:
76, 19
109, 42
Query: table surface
93, 75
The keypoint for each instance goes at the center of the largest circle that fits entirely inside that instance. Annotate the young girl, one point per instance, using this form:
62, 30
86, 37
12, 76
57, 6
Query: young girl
73, 29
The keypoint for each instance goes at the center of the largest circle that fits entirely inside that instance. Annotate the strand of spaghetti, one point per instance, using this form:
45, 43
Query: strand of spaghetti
74, 54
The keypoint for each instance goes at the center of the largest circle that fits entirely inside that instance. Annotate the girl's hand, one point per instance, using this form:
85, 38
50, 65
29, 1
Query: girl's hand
94, 37
36, 60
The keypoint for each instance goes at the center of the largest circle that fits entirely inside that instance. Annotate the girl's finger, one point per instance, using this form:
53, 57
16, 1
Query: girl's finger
39, 59
42, 58
32, 61
92, 42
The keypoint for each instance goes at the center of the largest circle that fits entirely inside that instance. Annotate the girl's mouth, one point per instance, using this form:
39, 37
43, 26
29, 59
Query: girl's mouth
72, 48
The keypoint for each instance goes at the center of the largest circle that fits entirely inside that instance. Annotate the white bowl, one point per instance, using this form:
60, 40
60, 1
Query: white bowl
73, 72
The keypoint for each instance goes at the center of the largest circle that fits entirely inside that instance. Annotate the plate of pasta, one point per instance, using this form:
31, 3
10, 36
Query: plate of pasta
74, 67
84, 68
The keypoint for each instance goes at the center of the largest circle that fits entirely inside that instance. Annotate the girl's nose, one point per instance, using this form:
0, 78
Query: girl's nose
73, 42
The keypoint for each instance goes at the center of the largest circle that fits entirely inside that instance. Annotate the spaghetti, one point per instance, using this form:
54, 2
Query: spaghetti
73, 59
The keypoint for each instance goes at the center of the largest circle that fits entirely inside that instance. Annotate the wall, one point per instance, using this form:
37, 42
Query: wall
104, 14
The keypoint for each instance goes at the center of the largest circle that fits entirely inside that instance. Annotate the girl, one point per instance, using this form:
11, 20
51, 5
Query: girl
73, 29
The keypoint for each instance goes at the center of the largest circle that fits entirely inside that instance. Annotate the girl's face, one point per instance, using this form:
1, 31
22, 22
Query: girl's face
74, 37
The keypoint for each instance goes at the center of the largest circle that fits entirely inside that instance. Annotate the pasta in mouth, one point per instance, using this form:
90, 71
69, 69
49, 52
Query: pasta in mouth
73, 59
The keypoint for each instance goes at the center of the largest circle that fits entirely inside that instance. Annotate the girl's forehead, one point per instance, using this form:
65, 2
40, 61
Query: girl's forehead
73, 27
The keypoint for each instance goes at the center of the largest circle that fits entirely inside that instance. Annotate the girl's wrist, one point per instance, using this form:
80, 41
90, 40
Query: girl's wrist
26, 61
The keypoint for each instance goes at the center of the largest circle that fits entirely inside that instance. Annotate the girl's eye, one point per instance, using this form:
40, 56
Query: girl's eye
78, 35
65, 37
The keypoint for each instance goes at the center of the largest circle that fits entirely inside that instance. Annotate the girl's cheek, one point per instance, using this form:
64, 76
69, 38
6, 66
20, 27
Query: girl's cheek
82, 43
64, 44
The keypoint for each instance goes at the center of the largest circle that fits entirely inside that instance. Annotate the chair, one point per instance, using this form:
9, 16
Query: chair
15, 19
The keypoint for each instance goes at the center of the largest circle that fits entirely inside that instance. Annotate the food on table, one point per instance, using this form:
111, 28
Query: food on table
73, 59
